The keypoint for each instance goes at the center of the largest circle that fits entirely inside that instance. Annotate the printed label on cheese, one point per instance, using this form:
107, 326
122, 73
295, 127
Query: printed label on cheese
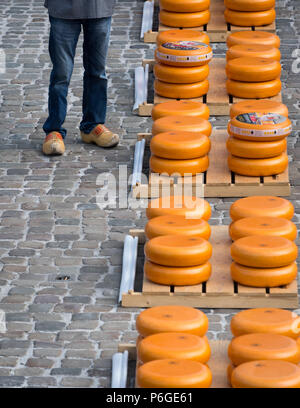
261, 118
185, 45
184, 58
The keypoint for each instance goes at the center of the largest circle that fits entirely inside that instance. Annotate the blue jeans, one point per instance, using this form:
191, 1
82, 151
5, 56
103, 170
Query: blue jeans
63, 40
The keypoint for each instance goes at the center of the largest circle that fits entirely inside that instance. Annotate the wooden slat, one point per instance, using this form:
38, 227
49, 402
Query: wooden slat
247, 290
217, 93
218, 172
246, 181
285, 290
220, 282
282, 178
154, 288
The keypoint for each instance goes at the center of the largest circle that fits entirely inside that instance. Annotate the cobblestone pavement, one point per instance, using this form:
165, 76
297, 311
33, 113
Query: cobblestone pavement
62, 333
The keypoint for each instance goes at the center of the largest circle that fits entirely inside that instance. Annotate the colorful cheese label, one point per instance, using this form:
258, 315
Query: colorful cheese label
261, 118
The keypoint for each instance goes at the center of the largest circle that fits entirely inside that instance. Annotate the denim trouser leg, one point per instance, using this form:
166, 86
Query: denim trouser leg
95, 47
62, 46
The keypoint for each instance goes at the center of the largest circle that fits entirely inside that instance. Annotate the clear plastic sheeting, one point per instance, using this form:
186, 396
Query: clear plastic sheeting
119, 370
147, 21
138, 162
141, 76
128, 265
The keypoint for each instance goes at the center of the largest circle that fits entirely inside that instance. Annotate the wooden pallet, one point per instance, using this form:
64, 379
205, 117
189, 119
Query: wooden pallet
218, 362
217, 98
217, 29
217, 181
218, 292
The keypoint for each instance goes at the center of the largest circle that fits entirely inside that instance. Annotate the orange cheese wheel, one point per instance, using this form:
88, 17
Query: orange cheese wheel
181, 35
260, 127
173, 374
230, 369
251, 69
261, 105
255, 51
184, 6
183, 53
178, 250
260, 206
274, 226
182, 108
180, 145
181, 91
182, 123
263, 277
255, 150
180, 75
264, 251
249, 37
252, 90
187, 206
266, 374
183, 167
177, 276
263, 346
246, 5
266, 320
258, 167
184, 20
250, 18
177, 225
174, 346
172, 318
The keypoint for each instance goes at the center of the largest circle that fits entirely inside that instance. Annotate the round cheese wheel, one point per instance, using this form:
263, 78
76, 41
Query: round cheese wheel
187, 206
182, 123
184, 20
181, 91
173, 374
183, 167
182, 108
184, 53
249, 37
250, 18
266, 374
172, 318
258, 167
260, 127
177, 225
263, 277
255, 51
181, 35
246, 5
179, 75
255, 150
261, 206
251, 69
177, 276
262, 106
274, 226
178, 250
252, 90
180, 145
263, 346
184, 6
264, 251
266, 320
174, 346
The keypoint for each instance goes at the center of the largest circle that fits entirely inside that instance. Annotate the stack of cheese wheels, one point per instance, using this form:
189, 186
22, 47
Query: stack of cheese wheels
184, 13
263, 250
264, 352
249, 13
181, 68
257, 143
172, 349
180, 145
253, 65
177, 251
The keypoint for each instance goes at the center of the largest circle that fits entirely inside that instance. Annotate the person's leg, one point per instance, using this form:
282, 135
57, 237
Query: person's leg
62, 47
95, 47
